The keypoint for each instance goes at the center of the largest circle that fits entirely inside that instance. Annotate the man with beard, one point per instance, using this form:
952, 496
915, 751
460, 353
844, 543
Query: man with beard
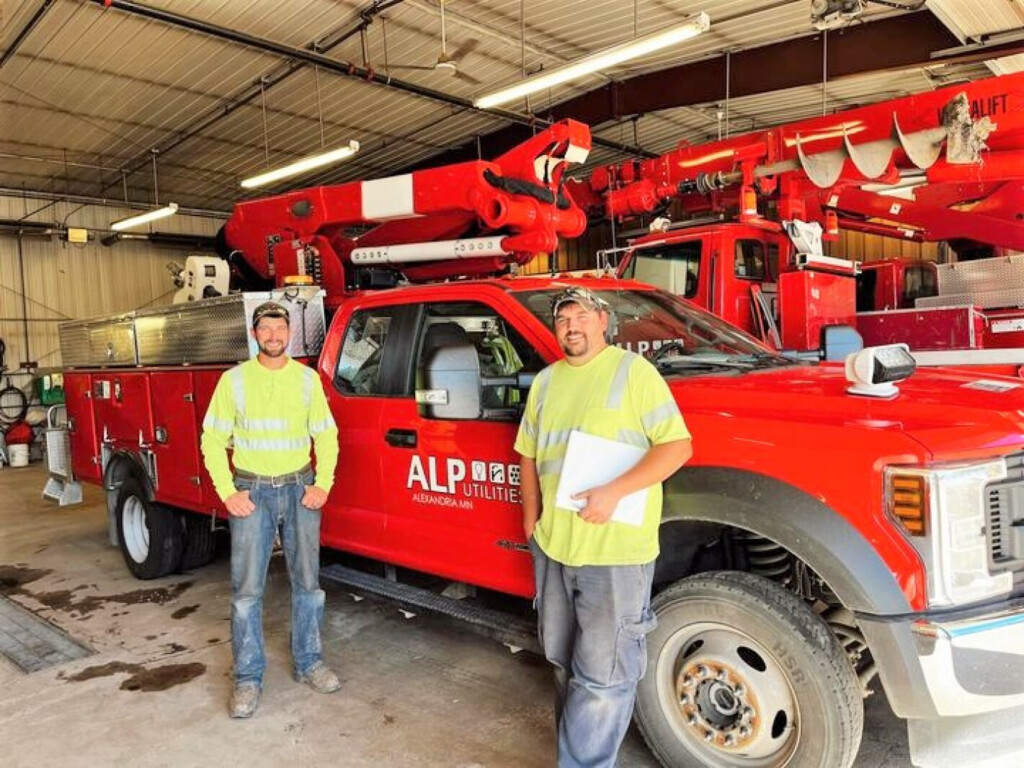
594, 574
271, 406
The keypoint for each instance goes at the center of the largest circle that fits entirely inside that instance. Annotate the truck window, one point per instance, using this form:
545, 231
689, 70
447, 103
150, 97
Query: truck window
918, 282
674, 268
362, 352
502, 351
749, 261
644, 321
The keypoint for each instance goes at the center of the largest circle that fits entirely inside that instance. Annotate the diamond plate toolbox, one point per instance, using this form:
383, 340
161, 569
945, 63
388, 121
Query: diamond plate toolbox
208, 331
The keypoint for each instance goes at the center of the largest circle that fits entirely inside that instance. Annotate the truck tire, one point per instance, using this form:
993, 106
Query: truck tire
743, 674
149, 534
200, 541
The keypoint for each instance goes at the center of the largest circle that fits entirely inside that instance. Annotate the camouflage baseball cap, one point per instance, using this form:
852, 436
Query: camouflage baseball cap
270, 309
576, 294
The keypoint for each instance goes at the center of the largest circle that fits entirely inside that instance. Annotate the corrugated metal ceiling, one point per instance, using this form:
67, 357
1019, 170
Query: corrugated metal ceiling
91, 91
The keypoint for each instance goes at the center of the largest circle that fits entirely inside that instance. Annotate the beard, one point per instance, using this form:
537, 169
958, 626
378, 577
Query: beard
578, 347
276, 351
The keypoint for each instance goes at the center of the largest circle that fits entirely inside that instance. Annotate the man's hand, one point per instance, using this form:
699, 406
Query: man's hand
600, 504
239, 504
314, 497
528, 526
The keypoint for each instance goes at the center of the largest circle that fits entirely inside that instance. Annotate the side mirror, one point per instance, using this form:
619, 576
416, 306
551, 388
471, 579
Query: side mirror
448, 387
839, 341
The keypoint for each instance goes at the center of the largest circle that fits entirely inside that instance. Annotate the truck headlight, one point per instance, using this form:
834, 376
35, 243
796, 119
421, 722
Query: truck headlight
942, 510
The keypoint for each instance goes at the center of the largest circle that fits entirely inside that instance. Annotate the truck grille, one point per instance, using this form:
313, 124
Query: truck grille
1006, 517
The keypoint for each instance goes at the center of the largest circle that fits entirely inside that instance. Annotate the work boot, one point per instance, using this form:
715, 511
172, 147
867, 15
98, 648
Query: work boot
244, 700
320, 678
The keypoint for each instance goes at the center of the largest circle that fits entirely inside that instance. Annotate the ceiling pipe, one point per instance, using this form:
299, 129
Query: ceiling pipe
25, 32
106, 202
172, 239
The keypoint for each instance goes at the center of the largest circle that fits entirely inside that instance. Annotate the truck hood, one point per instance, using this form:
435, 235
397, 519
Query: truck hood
953, 415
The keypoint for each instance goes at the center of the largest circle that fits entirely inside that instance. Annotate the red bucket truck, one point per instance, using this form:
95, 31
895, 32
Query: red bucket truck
835, 526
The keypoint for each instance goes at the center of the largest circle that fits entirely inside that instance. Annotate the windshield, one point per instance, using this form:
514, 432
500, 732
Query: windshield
659, 325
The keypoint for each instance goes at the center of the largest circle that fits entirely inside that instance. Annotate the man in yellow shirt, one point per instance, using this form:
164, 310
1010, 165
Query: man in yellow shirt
594, 575
271, 406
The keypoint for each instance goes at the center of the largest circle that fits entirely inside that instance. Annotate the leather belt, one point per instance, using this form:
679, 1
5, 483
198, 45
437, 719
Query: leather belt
275, 481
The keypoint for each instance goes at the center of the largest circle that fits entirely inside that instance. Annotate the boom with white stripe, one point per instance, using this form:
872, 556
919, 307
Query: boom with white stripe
465, 219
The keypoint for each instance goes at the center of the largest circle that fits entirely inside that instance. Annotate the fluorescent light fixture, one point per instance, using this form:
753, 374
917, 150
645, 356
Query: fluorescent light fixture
596, 62
304, 165
144, 218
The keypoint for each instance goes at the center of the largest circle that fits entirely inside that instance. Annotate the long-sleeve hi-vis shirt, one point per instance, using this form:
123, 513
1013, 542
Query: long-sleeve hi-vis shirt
271, 415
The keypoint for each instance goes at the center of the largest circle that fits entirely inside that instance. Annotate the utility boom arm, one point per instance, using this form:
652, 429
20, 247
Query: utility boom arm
910, 167
465, 219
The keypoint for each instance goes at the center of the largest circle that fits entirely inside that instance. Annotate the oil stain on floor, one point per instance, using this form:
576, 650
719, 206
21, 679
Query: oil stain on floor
13, 579
141, 678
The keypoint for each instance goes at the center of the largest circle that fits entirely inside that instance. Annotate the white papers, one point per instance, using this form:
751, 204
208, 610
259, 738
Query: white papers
592, 461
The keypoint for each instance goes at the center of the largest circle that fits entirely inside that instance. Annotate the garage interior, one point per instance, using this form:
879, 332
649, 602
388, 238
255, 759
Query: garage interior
109, 109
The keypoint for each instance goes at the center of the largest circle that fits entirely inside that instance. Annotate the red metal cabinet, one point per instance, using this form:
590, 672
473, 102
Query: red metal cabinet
85, 452
178, 473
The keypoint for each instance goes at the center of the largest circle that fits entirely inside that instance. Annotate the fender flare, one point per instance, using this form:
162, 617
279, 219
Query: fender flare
120, 465
805, 526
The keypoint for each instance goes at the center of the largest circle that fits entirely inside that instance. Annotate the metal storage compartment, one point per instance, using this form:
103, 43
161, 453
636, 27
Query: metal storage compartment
208, 331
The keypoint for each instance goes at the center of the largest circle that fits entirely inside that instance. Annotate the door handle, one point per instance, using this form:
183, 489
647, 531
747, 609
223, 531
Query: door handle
401, 438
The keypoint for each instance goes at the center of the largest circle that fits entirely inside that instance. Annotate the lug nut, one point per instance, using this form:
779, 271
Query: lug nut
740, 690
709, 736
685, 699
744, 731
688, 681
721, 675
703, 671
730, 740
691, 719
746, 712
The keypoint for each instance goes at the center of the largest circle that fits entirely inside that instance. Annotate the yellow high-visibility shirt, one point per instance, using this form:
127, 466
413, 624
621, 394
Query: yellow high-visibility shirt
271, 416
619, 396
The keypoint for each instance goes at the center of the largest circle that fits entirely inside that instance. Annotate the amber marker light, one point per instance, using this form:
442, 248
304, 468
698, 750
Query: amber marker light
908, 501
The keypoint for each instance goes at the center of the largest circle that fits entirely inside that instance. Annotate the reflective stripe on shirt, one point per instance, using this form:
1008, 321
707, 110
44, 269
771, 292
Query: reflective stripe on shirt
617, 390
656, 416
238, 385
307, 386
321, 426
220, 425
263, 425
633, 437
277, 444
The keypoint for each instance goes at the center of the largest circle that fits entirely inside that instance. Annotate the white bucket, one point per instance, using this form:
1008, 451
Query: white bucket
18, 455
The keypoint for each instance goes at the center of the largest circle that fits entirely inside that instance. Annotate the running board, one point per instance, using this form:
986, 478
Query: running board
513, 631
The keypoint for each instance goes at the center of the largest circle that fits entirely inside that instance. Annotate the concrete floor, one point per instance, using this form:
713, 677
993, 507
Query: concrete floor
416, 692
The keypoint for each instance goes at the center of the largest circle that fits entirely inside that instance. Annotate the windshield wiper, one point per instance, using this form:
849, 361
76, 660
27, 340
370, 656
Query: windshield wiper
706, 363
767, 360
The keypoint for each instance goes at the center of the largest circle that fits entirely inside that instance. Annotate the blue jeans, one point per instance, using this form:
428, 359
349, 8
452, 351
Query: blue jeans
252, 541
592, 622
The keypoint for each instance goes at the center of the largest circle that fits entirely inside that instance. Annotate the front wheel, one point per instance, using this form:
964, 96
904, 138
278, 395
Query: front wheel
743, 674
150, 534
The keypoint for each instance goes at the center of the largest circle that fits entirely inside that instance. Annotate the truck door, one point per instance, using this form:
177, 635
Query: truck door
453, 486
366, 359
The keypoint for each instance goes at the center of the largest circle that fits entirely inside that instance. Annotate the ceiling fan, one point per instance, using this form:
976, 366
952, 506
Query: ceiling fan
446, 62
